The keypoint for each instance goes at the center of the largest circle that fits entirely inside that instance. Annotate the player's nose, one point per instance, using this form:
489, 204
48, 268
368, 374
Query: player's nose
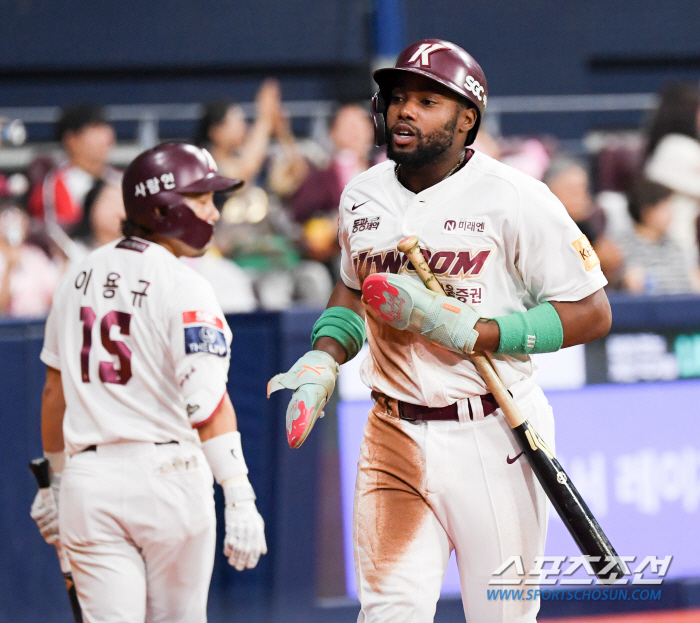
407, 109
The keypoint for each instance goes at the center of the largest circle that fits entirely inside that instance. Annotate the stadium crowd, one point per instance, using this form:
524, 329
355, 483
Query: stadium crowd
275, 244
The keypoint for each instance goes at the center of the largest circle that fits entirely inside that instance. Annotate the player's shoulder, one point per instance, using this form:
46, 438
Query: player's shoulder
371, 176
365, 187
529, 191
129, 254
497, 170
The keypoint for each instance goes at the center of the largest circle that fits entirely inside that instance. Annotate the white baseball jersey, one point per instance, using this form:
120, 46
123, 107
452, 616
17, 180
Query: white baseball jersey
497, 239
142, 345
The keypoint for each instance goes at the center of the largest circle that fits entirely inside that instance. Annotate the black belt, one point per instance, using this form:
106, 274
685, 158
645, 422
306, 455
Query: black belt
158, 443
420, 413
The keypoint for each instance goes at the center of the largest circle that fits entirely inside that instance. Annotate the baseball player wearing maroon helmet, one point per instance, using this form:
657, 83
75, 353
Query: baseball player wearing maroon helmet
439, 470
135, 413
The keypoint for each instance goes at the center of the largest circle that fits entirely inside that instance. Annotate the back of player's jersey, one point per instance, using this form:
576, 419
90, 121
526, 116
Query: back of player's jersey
116, 333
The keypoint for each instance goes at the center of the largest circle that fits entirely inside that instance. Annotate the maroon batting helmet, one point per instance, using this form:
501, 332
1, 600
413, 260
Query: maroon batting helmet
155, 181
438, 60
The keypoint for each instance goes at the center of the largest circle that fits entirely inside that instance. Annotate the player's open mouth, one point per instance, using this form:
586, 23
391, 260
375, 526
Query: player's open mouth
403, 134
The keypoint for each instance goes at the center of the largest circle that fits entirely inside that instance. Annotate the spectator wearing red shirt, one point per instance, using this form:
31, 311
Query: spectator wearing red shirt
87, 138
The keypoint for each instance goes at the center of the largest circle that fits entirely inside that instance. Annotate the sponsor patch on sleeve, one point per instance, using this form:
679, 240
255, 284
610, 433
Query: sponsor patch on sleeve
199, 317
586, 253
204, 339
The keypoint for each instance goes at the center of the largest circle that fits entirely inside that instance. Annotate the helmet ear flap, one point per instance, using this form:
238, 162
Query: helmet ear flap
379, 118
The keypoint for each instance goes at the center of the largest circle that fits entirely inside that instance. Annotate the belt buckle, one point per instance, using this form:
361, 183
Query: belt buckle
405, 417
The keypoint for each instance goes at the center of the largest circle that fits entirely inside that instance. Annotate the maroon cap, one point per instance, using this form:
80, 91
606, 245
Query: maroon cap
155, 181
445, 63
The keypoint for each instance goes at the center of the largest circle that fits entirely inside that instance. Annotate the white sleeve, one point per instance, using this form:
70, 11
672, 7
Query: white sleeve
200, 341
555, 260
49, 352
347, 270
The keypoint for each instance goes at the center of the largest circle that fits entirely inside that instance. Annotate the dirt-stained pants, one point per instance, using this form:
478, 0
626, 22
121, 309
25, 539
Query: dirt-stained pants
426, 488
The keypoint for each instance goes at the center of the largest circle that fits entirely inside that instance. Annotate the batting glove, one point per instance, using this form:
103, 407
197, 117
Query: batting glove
245, 529
45, 510
406, 304
313, 379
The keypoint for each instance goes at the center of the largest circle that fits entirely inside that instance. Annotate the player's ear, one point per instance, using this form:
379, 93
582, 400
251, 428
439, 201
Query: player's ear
467, 118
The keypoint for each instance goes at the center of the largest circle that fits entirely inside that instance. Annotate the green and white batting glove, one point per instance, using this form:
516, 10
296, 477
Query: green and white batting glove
312, 378
407, 304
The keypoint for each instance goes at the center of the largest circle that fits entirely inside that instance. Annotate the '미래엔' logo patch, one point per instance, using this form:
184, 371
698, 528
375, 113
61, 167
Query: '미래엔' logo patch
204, 339
475, 226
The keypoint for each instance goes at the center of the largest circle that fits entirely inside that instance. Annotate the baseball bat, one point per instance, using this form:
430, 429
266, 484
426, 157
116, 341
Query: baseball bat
40, 469
565, 498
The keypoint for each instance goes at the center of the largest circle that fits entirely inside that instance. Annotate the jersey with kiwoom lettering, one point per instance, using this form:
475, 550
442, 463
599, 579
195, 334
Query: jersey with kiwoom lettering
497, 239
142, 345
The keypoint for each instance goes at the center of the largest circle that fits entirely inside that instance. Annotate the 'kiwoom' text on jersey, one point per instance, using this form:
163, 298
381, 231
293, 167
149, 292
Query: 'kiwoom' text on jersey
497, 239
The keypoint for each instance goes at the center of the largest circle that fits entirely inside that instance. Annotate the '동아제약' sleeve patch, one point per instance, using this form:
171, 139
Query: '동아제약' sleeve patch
205, 339
586, 253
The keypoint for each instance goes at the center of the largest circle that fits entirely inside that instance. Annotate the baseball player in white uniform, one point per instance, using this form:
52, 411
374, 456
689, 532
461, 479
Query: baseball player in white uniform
135, 412
439, 469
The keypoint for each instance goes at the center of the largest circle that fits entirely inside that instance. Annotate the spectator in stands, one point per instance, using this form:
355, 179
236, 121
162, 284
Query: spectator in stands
232, 286
316, 194
28, 278
240, 151
253, 231
654, 263
87, 138
673, 159
529, 155
103, 213
568, 179
487, 144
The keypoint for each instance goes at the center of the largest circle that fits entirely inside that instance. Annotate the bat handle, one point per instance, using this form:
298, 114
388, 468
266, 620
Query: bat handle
41, 470
410, 247
510, 409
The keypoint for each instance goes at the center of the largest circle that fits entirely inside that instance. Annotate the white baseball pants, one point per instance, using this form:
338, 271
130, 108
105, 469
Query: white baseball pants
137, 520
424, 489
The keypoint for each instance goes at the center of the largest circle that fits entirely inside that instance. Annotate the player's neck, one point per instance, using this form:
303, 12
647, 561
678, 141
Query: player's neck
417, 179
177, 247
169, 244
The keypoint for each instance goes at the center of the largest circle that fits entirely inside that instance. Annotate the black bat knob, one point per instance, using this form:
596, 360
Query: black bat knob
40, 469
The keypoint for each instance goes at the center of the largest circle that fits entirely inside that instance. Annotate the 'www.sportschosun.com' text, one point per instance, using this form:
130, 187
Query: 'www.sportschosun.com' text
616, 594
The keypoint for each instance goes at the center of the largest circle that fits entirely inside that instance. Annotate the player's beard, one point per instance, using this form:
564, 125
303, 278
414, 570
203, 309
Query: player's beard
429, 148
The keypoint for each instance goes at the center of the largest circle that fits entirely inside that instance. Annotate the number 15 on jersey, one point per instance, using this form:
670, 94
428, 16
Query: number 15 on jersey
109, 372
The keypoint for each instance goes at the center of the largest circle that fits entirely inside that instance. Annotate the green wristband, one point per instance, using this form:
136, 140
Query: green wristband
344, 326
537, 330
